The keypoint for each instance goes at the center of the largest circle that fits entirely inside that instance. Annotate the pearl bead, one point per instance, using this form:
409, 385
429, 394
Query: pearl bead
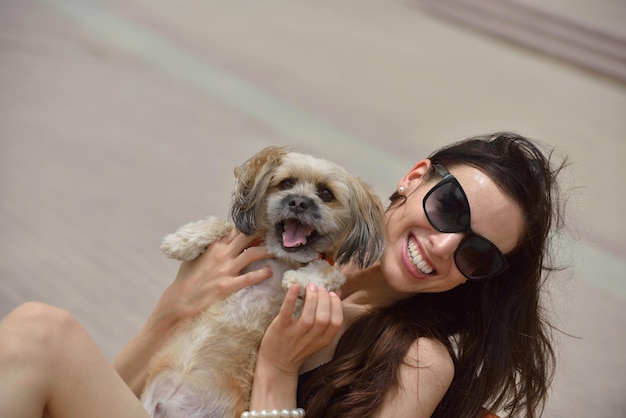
285, 413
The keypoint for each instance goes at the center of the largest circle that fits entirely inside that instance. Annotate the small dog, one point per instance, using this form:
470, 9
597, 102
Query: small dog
306, 210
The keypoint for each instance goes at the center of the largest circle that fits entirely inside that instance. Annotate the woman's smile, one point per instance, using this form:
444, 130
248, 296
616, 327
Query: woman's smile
418, 263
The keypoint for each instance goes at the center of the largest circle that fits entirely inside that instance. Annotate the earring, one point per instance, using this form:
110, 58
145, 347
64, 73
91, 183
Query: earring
401, 189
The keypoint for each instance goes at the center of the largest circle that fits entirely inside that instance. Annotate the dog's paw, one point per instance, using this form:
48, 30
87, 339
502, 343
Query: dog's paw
319, 272
191, 240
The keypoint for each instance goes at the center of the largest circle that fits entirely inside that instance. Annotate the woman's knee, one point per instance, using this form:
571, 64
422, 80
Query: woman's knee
34, 329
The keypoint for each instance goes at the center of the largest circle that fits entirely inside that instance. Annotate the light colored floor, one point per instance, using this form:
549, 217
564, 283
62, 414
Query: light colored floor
121, 120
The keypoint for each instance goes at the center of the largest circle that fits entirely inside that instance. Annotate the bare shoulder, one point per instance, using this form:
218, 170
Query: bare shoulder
425, 376
431, 354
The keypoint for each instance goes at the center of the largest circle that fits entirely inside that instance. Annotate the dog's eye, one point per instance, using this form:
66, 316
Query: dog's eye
286, 184
326, 195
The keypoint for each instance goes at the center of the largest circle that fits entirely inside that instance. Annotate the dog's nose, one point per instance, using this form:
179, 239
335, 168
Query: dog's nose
298, 204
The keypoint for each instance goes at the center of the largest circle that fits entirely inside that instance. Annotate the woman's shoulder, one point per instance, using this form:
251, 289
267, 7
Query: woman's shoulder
428, 363
433, 355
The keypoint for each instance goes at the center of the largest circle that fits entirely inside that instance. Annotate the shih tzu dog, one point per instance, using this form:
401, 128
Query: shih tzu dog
306, 211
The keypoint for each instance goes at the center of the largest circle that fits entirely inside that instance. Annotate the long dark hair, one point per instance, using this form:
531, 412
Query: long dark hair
495, 330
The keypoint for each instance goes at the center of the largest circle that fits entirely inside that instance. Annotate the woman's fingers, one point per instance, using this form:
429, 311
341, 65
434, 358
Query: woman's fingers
308, 315
248, 256
251, 278
285, 314
328, 316
322, 314
336, 317
240, 241
233, 253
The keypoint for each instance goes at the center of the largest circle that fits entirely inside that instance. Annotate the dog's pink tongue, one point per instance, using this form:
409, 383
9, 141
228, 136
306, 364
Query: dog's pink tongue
295, 234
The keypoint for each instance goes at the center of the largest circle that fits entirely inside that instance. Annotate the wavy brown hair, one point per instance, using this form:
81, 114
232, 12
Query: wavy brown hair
495, 330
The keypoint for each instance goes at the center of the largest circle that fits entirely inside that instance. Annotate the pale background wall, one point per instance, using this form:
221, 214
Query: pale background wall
121, 120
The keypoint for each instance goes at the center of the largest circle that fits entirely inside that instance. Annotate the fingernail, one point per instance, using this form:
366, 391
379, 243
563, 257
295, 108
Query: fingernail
312, 287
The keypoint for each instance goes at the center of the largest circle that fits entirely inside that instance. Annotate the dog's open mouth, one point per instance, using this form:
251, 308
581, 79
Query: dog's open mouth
296, 234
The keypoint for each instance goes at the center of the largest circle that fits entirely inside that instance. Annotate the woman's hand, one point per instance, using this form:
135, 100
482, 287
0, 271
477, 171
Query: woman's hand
212, 277
289, 341
209, 278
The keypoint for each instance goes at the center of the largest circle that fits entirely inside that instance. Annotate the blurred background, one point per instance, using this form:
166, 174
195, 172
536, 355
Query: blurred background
120, 120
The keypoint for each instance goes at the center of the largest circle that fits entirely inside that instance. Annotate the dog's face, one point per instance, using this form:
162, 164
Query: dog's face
305, 206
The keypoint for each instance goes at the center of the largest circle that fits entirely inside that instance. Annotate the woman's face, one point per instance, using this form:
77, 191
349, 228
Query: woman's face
420, 259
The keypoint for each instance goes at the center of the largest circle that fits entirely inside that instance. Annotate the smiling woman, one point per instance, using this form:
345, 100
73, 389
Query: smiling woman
492, 326
425, 330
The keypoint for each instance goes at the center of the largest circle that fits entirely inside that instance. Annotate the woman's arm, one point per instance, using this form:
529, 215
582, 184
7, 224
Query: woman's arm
425, 376
288, 342
209, 278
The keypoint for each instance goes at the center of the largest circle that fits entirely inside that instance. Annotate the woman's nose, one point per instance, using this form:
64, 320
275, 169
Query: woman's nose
445, 244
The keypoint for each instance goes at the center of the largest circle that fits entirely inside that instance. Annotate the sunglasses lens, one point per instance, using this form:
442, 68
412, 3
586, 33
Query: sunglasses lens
478, 258
447, 208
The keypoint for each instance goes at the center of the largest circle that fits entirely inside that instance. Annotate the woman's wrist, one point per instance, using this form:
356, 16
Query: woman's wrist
272, 388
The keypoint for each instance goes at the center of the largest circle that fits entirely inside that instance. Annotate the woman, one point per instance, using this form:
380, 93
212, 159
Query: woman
463, 269
447, 323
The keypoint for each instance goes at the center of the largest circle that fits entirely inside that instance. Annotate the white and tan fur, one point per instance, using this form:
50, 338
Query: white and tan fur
206, 370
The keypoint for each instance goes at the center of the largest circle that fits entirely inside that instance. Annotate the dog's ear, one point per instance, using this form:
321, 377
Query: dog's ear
252, 181
365, 239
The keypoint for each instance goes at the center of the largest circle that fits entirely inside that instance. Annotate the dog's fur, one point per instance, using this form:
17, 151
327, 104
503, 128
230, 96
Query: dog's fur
302, 207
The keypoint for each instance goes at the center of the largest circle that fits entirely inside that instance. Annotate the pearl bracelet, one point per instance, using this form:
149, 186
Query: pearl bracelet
294, 413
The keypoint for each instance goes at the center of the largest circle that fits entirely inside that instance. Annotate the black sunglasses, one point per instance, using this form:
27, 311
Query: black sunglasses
447, 209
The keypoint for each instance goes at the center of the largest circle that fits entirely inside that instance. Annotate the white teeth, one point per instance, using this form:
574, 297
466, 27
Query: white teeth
416, 258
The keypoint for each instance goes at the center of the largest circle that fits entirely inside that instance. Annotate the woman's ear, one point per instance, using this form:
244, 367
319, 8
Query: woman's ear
414, 177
